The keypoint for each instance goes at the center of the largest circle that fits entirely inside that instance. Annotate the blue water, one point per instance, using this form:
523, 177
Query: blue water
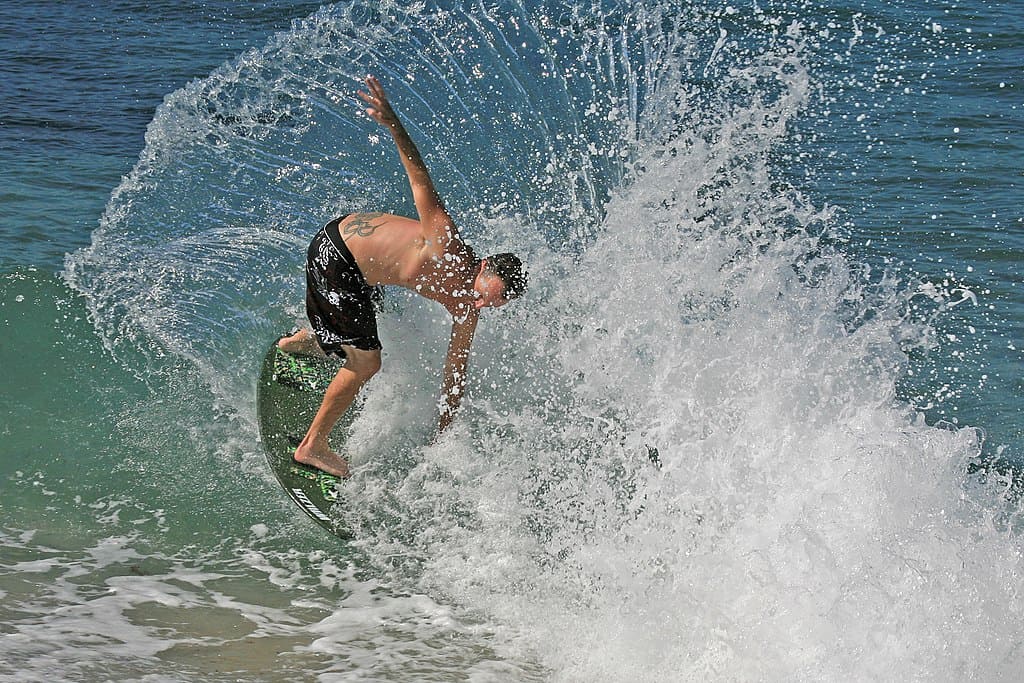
781, 243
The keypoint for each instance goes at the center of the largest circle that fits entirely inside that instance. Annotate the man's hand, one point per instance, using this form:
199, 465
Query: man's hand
380, 109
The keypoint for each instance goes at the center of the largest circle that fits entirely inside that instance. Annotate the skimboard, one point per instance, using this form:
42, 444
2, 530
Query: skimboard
288, 395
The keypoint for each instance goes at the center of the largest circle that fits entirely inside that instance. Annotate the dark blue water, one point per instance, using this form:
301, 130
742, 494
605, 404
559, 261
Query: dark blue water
81, 82
782, 242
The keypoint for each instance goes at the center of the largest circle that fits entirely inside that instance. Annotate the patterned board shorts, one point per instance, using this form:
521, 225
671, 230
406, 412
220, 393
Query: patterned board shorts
339, 302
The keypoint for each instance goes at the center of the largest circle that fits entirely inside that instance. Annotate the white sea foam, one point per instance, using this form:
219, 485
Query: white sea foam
803, 525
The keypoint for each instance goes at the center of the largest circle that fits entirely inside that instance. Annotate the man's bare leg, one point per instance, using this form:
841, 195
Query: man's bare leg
314, 450
302, 342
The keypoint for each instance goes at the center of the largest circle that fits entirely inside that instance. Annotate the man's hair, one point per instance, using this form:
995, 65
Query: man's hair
510, 269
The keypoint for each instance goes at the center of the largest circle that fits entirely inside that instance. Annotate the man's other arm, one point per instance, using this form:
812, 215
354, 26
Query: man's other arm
454, 384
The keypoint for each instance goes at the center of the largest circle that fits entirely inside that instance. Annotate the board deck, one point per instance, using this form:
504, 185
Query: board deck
288, 395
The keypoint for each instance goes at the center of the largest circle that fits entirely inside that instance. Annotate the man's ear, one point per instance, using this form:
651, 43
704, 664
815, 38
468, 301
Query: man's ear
483, 264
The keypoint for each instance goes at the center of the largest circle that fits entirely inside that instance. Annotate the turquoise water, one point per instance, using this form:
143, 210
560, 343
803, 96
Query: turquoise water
780, 243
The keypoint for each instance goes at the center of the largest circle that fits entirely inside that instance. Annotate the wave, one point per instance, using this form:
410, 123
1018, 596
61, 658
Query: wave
684, 454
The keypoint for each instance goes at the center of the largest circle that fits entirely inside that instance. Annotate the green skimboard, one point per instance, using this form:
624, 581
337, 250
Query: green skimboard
288, 395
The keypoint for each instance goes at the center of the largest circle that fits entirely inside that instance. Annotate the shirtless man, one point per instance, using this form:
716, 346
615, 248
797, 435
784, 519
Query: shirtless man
353, 254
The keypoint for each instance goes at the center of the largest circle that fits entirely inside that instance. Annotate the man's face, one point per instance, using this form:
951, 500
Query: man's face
490, 290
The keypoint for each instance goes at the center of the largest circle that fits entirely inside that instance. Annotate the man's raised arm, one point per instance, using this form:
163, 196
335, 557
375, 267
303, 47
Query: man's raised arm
435, 220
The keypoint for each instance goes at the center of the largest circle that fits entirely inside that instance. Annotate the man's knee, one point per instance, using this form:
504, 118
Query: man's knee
364, 364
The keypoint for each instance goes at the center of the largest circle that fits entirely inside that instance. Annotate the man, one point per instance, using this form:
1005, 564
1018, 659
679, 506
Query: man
358, 252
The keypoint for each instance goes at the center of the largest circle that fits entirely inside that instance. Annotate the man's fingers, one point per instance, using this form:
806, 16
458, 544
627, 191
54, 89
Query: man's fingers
379, 109
378, 103
369, 96
373, 83
375, 87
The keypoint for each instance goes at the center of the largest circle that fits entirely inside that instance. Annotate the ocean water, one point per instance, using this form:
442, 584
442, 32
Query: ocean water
778, 244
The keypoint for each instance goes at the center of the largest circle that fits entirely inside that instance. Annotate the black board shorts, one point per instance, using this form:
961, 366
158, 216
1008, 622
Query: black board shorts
339, 302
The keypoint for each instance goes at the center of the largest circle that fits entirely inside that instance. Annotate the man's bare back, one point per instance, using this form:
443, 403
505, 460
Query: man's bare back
393, 250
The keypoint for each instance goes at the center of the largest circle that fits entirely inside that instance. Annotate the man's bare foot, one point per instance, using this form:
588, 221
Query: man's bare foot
302, 342
322, 459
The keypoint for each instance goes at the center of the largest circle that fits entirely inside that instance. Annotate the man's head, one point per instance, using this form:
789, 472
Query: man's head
500, 279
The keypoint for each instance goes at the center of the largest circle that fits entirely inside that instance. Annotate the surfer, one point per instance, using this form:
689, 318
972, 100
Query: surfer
353, 255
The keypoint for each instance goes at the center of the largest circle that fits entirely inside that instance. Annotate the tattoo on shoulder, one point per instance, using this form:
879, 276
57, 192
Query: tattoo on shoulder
360, 224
